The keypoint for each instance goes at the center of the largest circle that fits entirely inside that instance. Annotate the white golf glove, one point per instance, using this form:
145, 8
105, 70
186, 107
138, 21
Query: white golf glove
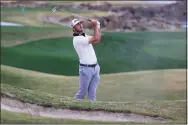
98, 24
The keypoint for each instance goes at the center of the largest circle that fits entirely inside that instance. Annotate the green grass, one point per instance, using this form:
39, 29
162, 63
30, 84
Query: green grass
161, 46
142, 86
123, 87
32, 16
11, 36
46, 49
128, 52
174, 110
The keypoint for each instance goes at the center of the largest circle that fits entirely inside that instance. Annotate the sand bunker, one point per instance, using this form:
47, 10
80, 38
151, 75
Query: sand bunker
18, 106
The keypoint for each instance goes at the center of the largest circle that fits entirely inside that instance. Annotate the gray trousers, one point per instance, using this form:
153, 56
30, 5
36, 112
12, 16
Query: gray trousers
88, 82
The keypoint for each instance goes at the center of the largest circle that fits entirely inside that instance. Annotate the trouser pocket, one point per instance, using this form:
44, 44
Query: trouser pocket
81, 70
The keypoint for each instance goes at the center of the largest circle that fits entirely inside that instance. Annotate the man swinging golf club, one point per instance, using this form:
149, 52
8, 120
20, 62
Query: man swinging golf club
89, 69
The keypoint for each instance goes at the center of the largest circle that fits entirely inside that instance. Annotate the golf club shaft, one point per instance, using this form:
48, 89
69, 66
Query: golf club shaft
73, 14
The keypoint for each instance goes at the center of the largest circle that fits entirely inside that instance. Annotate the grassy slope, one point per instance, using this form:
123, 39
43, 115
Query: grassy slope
174, 110
126, 87
163, 95
32, 16
128, 52
11, 36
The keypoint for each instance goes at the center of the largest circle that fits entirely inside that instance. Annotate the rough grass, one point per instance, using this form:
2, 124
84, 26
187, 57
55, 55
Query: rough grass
32, 16
128, 52
174, 110
125, 87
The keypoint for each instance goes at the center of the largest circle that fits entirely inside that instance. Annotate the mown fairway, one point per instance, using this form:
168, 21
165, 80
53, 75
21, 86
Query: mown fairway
11, 36
128, 51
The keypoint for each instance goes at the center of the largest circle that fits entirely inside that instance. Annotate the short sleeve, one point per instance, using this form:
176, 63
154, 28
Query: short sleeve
81, 40
88, 37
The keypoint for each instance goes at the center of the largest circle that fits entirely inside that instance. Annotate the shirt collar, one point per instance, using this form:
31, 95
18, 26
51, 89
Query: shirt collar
78, 34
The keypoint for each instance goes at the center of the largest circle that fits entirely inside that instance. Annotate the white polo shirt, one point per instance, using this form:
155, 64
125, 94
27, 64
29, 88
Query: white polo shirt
84, 50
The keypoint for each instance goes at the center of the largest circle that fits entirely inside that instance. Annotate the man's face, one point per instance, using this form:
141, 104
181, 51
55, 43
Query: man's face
78, 27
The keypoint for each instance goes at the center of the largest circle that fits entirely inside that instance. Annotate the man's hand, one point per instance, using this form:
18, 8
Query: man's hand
97, 36
94, 23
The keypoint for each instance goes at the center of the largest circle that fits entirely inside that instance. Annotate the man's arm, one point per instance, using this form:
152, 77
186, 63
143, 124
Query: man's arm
97, 35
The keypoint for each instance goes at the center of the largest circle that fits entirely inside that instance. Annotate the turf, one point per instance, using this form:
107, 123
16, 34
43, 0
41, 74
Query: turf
128, 52
46, 49
125, 87
11, 36
174, 110
33, 16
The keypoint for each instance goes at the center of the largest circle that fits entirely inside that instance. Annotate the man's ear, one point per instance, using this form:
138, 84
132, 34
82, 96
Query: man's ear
73, 29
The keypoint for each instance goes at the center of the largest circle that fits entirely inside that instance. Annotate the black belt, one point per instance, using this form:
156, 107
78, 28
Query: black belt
93, 65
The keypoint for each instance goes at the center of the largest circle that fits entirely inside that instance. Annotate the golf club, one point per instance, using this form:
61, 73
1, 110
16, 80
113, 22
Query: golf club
55, 8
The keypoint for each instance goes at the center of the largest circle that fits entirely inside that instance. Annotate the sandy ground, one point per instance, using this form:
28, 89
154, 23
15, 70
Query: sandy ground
18, 106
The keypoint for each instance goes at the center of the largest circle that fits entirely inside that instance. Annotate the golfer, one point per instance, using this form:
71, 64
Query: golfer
89, 69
